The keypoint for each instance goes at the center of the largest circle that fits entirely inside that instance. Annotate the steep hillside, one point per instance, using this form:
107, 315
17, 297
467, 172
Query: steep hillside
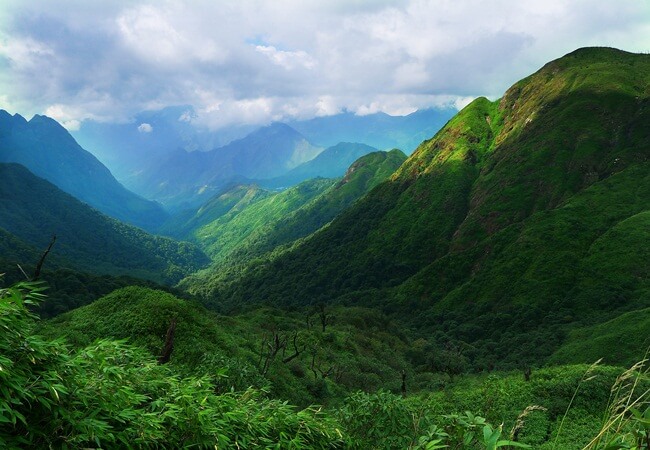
330, 163
221, 236
48, 150
32, 210
231, 199
359, 179
502, 231
621, 339
241, 237
190, 178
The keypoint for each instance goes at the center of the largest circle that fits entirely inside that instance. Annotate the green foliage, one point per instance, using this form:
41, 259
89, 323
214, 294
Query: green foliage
113, 395
26, 379
359, 349
33, 210
530, 213
377, 419
619, 340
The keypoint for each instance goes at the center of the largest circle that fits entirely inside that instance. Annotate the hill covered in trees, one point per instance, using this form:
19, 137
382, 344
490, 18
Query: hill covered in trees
32, 210
512, 214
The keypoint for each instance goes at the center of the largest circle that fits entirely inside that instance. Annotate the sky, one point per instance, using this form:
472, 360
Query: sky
253, 61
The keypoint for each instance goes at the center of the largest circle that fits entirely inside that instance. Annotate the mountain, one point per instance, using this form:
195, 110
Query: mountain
275, 223
189, 179
232, 198
247, 221
378, 130
223, 235
130, 148
136, 146
33, 209
49, 151
330, 163
521, 219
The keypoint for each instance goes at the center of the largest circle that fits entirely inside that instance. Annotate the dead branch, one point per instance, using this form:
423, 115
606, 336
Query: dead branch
37, 272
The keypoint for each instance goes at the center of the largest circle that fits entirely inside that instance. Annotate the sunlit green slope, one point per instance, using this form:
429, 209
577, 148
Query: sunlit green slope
239, 238
503, 231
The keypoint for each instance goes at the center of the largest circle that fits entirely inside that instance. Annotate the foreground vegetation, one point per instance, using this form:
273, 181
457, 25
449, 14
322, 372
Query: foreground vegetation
114, 394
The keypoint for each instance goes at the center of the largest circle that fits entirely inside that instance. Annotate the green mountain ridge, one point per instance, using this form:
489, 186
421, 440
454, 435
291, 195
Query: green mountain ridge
33, 209
277, 221
49, 151
490, 219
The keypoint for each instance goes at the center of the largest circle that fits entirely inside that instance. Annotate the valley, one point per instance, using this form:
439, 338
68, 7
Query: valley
325, 283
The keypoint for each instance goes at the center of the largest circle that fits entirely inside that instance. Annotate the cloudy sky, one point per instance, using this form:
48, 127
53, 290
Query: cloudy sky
253, 61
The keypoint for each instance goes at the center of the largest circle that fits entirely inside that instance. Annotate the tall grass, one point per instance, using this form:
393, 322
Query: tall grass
627, 420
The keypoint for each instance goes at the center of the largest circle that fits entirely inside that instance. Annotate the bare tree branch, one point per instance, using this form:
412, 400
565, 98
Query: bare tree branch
37, 272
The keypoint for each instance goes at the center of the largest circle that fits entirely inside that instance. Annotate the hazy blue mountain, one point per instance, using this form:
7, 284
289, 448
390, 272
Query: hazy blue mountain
33, 209
330, 163
378, 130
129, 148
187, 179
49, 151
133, 150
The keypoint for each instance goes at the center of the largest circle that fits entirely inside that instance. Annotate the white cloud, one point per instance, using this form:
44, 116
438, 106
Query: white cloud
25, 53
462, 102
256, 61
71, 125
287, 59
186, 116
145, 128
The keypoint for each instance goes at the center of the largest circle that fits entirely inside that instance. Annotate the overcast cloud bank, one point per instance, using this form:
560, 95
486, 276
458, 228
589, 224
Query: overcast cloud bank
257, 61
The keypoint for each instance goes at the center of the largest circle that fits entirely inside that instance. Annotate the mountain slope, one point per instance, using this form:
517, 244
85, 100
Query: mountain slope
231, 199
32, 210
487, 222
617, 340
222, 236
189, 179
330, 163
48, 150
363, 175
279, 219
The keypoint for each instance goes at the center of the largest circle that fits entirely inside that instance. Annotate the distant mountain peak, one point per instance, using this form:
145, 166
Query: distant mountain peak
49, 151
